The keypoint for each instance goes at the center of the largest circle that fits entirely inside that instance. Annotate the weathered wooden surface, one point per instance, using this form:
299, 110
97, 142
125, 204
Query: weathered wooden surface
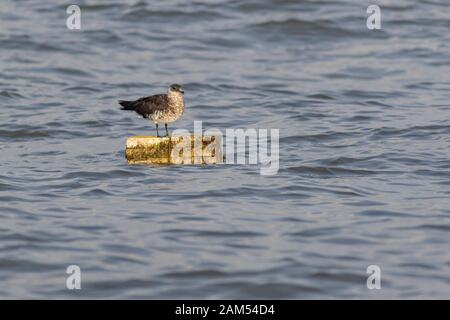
183, 149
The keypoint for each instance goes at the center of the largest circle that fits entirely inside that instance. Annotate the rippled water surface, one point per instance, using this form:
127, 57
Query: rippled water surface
364, 119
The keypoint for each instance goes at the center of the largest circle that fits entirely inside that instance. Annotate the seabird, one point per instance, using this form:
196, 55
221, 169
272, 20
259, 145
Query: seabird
160, 108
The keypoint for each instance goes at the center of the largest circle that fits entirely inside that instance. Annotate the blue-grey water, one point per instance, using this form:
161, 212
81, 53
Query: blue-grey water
364, 178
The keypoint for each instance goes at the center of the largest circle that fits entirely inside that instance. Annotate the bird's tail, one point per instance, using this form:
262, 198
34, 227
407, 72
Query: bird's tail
127, 105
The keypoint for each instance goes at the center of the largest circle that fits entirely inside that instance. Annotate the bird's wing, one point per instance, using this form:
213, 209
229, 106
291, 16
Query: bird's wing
148, 105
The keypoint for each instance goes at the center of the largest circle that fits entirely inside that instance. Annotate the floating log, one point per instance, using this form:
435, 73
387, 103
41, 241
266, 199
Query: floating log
179, 149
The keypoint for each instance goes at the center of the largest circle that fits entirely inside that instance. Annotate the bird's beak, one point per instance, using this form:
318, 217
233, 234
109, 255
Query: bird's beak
182, 91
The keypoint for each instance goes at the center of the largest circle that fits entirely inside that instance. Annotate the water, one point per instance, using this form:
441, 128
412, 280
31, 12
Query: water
364, 119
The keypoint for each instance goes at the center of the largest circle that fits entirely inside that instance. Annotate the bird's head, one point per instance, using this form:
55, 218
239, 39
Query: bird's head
175, 88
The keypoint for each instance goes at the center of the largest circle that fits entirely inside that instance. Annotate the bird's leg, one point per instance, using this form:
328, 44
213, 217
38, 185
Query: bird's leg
157, 132
167, 132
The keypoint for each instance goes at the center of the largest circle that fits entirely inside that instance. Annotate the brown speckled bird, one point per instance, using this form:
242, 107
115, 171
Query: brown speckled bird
160, 108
